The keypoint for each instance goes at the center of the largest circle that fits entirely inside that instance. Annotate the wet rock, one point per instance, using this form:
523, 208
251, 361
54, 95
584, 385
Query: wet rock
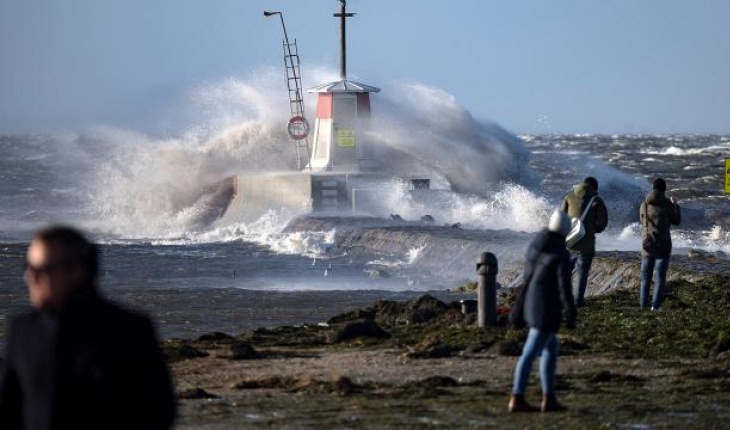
606, 376
344, 385
432, 347
337, 385
195, 393
177, 351
272, 382
215, 337
285, 336
433, 382
357, 315
570, 345
213, 341
238, 351
476, 348
356, 329
422, 310
429, 387
509, 348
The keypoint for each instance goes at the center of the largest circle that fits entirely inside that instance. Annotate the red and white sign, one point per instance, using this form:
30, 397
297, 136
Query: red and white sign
298, 128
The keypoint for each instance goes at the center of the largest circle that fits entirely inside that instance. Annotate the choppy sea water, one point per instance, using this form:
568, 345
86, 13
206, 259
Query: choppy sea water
245, 276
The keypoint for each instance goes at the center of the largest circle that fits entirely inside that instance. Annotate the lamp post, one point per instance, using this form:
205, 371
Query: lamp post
281, 16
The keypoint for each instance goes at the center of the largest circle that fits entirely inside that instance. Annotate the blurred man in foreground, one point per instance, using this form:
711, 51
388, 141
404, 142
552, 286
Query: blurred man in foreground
77, 361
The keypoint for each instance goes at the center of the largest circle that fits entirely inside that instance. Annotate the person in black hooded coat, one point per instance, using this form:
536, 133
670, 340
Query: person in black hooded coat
546, 296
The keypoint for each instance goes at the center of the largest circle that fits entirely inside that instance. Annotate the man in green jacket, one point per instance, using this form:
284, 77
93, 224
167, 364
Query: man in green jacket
596, 220
657, 214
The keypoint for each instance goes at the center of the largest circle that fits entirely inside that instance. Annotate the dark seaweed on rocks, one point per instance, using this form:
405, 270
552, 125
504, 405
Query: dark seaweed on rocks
356, 329
223, 347
216, 337
238, 351
425, 309
177, 350
337, 385
286, 336
607, 377
694, 324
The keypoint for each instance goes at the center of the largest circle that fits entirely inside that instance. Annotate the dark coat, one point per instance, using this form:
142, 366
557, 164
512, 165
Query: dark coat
92, 365
657, 214
596, 219
548, 287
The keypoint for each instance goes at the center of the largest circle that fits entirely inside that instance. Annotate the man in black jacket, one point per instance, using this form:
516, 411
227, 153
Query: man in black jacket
657, 215
77, 361
547, 294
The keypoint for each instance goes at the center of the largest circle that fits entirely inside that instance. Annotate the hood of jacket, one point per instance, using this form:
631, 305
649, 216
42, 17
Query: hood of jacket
547, 241
584, 190
656, 198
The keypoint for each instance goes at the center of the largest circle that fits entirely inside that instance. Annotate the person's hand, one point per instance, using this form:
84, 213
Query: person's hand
673, 200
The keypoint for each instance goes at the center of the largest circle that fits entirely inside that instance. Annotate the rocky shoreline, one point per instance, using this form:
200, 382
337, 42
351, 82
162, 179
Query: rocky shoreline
423, 363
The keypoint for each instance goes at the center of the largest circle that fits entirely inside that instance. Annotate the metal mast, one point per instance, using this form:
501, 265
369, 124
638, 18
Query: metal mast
294, 86
343, 15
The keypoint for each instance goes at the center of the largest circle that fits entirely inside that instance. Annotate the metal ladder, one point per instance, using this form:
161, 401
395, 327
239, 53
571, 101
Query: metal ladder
296, 97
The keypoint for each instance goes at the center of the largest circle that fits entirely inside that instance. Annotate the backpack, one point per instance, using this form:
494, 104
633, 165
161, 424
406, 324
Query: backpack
578, 229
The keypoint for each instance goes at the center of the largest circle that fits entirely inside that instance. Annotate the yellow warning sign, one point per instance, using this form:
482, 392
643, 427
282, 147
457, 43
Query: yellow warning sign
346, 137
727, 176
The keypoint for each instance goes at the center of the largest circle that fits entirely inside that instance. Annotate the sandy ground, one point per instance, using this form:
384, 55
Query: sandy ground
382, 388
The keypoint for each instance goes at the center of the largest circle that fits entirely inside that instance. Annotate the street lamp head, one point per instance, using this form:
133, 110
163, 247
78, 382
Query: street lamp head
267, 13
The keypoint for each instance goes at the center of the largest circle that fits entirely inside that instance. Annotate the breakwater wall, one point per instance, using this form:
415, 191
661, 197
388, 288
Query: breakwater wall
449, 251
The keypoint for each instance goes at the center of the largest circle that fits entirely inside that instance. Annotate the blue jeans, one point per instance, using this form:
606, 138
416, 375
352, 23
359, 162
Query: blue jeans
581, 264
539, 343
658, 267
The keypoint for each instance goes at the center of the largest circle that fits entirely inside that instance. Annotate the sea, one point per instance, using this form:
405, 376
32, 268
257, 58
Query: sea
134, 193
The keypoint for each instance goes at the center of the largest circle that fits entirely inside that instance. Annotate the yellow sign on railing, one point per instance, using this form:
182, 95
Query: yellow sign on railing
727, 176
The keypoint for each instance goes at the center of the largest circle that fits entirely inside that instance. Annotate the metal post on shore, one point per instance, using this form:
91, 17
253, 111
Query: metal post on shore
487, 268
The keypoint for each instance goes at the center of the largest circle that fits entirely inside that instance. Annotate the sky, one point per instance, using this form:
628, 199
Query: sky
562, 66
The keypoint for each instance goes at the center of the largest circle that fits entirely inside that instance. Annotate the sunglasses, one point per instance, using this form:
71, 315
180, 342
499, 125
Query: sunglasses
45, 269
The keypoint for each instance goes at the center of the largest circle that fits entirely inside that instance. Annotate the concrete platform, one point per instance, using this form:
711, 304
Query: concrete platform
253, 195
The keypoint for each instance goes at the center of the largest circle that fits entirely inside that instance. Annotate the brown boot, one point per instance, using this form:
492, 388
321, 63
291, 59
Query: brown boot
517, 403
550, 404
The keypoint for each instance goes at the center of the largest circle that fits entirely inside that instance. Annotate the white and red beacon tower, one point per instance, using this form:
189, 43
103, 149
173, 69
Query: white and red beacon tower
343, 113
339, 173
